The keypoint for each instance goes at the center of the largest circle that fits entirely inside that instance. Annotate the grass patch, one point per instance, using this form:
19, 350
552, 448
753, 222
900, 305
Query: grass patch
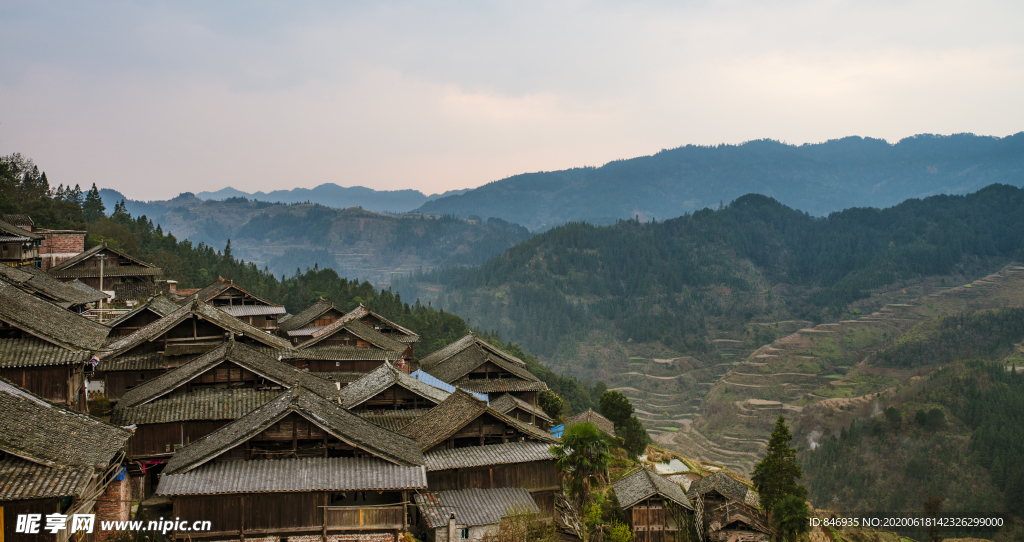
833, 377
673, 429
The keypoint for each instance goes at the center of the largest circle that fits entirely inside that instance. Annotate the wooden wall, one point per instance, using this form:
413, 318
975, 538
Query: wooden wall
11, 509
536, 475
152, 439
56, 383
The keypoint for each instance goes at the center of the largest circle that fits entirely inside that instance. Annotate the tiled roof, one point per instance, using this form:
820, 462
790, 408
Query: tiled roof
406, 335
158, 304
293, 475
464, 343
240, 354
37, 353
108, 271
474, 507
307, 331
35, 281
50, 435
454, 413
602, 423
148, 361
382, 378
732, 512
222, 285
19, 220
48, 321
507, 403
329, 416
307, 316
341, 353
643, 484
358, 329
156, 329
472, 353
492, 454
252, 310
721, 482
501, 385
22, 480
393, 420
205, 404
71, 262
427, 378
14, 231
339, 376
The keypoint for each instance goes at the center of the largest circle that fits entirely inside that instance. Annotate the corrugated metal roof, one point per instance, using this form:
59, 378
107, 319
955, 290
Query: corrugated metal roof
643, 484
252, 310
21, 479
474, 507
206, 404
441, 384
492, 454
290, 475
37, 353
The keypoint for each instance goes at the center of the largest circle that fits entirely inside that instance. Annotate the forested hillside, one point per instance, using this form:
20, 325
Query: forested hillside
340, 197
816, 178
355, 242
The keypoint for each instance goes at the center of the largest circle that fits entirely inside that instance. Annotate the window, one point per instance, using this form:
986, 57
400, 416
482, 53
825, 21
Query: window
464, 534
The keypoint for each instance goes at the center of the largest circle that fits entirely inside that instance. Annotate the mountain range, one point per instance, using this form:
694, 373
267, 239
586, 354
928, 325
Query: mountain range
332, 195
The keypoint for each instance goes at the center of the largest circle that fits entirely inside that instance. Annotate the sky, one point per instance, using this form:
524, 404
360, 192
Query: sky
158, 98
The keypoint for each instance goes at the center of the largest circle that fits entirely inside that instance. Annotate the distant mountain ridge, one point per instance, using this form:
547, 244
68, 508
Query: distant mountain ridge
332, 195
815, 178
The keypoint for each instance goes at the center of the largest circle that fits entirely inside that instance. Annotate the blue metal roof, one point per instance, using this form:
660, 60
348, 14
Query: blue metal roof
426, 378
557, 430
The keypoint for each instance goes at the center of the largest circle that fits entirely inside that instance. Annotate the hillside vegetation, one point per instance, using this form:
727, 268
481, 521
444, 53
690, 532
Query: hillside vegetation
817, 178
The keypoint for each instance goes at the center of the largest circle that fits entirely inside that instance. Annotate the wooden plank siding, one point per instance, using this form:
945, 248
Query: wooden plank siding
62, 384
160, 439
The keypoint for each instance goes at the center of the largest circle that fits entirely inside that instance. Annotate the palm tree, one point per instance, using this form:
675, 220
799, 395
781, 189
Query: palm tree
582, 455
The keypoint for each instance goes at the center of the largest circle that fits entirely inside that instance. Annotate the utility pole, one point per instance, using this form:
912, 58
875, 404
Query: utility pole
101, 257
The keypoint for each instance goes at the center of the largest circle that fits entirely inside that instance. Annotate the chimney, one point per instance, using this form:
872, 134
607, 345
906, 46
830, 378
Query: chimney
451, 528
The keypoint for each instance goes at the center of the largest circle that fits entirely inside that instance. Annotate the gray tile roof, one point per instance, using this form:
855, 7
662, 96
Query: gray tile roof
204, 404
454, 413
19, 219
472, 352
329, 416
341, 353
222, 285
602, 423
37, 353
108, 271
148, 361
158, 304
474, 507
406, 335
48, 321
282, 374
308, 316
156, 329
464, 343
71, 262
35, 281
493, 454
507, 403
293, 475
14, 231
643, 484
394, 420
358, 329
500, 385
50, 435
252, 310
721, 482
21, 480
382, 378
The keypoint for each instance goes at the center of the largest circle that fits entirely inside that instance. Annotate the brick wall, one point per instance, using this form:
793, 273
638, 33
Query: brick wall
59, 246
114, 505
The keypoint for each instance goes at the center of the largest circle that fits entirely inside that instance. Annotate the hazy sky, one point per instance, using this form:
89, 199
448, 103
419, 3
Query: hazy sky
154, 99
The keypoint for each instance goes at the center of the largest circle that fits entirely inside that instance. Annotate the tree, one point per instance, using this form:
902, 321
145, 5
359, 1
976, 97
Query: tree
634, 437
775, 476
790, 517
583, 456
92, 207
552, 404
616, 407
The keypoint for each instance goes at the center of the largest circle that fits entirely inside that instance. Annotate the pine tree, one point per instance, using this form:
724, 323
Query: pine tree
775, 476
92, 207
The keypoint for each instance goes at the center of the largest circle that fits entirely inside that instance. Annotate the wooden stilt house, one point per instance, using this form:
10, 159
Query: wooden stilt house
474, 364
102, 267
234, 300
728, 509
44, 348
388, 389
349, 346
657, 510
522, 411
301, 327
300, 465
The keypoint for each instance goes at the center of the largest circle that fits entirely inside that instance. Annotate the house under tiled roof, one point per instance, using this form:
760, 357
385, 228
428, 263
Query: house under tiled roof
644, 484
602, 423
50, 435
339, 352
383, 378
358, 329
32, 352
222, 285
294, 475
277, 374
401, 334
725, 485
509, 453
453, 363
22, 221
309, 316
196, 308
205, 404
462, 344
158, 305
35, 281
136, 267
474, 507
394, 420
49, 322
11, 233
331, 417
507, 403
457, 411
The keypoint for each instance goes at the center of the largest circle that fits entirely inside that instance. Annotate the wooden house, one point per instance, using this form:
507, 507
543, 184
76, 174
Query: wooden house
74, 296
44, 472
192, 330
589, 416
470, 514
18, 246
141, 316
522, 411
205, 394
44, 348
320, 314
102, 267
387, 388
299, 466
474, 364
345, 362
657, 510
301, 327
728, 509
234, 300
351, 333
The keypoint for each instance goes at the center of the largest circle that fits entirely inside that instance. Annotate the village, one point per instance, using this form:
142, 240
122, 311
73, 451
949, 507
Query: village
240, 421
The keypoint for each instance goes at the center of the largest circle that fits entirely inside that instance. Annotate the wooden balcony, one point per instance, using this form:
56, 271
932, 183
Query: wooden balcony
356, 518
